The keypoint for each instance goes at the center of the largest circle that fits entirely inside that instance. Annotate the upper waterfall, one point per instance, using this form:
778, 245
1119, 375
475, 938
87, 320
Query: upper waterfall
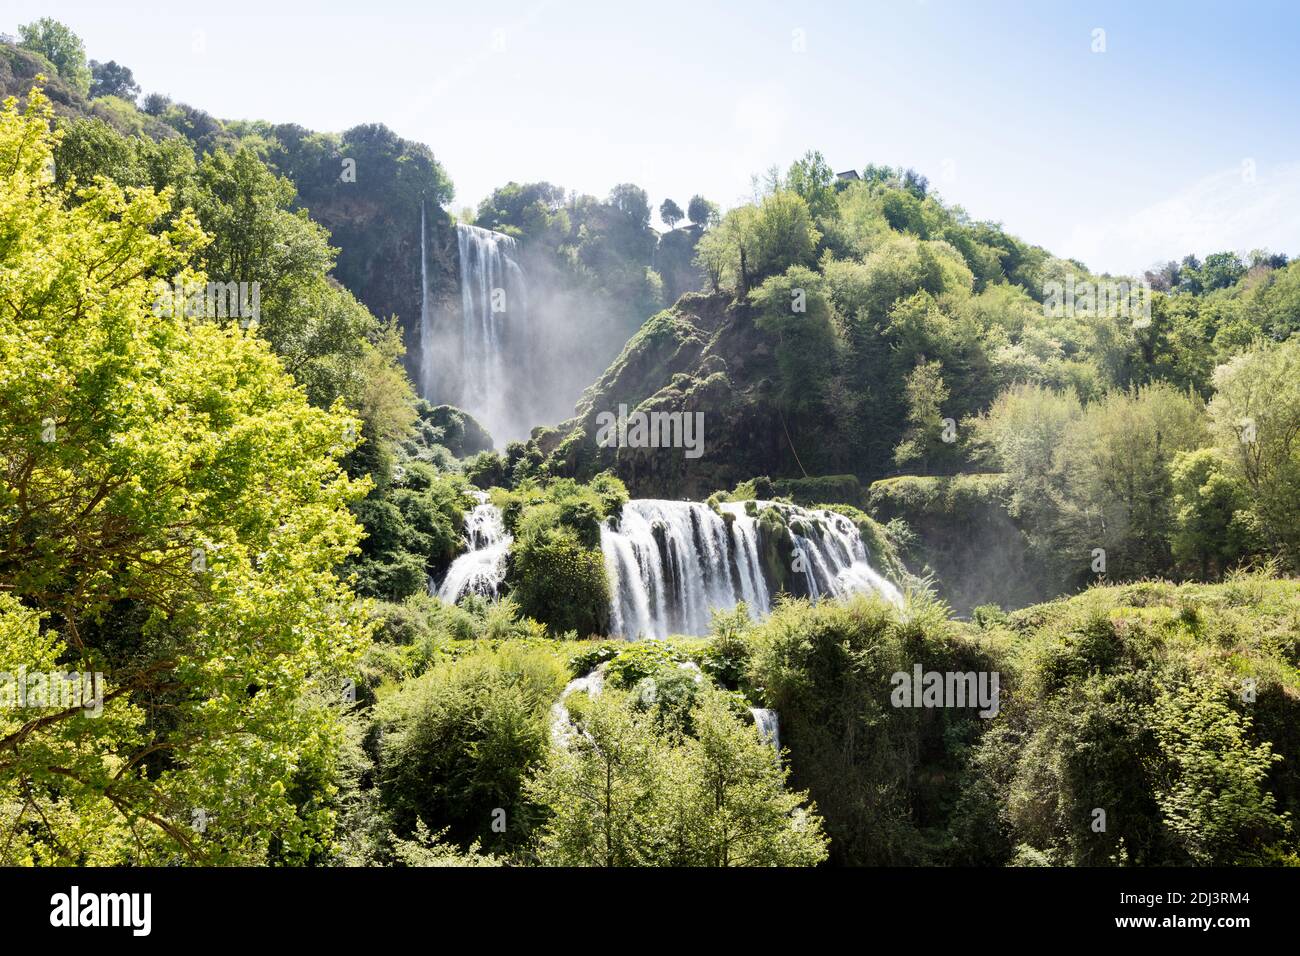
482, 362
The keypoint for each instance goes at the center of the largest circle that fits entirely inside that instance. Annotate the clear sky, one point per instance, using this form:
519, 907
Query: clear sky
1180, 137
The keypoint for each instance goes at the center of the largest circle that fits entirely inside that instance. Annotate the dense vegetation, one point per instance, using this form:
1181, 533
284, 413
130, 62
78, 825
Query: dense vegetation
234, 519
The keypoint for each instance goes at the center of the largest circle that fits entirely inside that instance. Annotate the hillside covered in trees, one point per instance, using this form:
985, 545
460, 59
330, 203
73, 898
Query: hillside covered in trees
1083, 491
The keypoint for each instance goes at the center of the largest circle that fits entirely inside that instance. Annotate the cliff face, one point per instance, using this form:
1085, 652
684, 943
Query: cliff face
379, 260
961, 528
704, 355
374, 221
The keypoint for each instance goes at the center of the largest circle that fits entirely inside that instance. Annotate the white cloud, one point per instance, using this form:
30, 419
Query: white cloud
1226, 210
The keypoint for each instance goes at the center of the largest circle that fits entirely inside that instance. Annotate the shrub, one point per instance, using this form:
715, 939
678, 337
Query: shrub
459, 740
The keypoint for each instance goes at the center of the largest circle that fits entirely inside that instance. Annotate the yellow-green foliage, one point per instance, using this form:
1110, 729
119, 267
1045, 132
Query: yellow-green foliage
176, 506
633, 791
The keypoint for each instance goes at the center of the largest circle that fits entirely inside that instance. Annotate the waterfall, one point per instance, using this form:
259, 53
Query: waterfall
835, 561
482, 569
672, 563
493, 309
769, 726
562, 728
483, 366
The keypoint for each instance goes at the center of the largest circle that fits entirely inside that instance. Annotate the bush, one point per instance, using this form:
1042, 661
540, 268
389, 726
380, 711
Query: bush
560, 582
884, 777
1120, 703
459, 741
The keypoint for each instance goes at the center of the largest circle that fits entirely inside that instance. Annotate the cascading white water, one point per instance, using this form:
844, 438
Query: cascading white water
494, 360
835, 561
562, 729
482, 569
672, 563
769, 726
485, 269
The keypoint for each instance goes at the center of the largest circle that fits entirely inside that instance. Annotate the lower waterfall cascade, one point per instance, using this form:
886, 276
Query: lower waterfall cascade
670, 564
769, 726
480, 570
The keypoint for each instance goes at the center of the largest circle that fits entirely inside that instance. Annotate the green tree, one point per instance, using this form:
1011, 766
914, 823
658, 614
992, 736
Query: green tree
743, 813
813, 179
794, 309
1214, 799
601, 791
670, 213
753, 243
1256, 421
1221, 270
459, 741
58, 44
112, 79
1211, 509
924, 439
174, 509
630, 790
701, 212
631, 200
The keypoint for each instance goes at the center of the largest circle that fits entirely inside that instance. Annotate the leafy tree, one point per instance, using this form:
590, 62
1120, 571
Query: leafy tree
1094, 477
794, 308
1215, 799
814, 181
155, 104
926, 394
459, 741
558, 579
755, 242
631, 200
670, 213
629, 791
111, 79
1114, 466
826, 669
1256, 421
701, 212
1221, 270
174, 509
601, 791
58, 44
1213, 528
743, 814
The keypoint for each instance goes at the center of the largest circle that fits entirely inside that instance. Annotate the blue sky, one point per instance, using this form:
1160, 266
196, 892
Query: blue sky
1181, 136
